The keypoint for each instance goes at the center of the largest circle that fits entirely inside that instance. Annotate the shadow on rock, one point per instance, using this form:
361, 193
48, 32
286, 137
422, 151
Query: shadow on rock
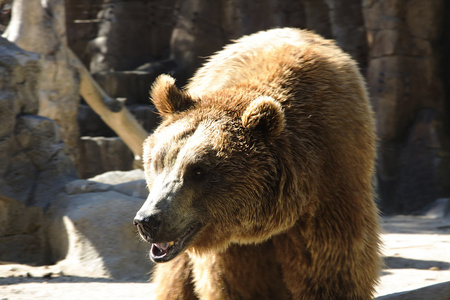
393, 262
91, 230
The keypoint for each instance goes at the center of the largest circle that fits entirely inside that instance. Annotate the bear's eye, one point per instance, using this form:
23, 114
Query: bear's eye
197, 173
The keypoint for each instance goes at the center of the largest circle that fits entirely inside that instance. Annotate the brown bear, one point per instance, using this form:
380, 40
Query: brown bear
260, 175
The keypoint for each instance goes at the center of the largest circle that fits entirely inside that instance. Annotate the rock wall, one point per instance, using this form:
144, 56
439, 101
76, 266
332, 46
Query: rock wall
119, 35
203, 27
401, 48
102, 154
39, 26
406, 77
34, 162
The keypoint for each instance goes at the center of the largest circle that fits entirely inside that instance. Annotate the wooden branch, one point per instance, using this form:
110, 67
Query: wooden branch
112, 111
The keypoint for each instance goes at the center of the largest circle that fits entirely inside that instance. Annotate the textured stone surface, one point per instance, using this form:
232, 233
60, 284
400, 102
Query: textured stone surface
91, 124
407, 89
41, 142
403, 60
91, 232
418, 179
119, 177
100, 150
128, 33
34, 163
40, 27
22, 236
19, 71
187, 31
132, 85
100, 154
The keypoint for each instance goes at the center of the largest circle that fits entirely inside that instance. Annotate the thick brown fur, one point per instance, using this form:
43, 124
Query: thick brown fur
280, 127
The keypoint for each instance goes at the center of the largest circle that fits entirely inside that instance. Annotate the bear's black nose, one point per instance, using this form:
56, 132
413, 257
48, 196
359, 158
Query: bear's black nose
147, 226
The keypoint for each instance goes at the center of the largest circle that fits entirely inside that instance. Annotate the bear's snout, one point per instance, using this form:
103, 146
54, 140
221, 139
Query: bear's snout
166, 242
147, 226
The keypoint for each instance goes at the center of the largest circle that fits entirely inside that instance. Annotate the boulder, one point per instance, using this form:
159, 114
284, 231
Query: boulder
91, 231
119, 177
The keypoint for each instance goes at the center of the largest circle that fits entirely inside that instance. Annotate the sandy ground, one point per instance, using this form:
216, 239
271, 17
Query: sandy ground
417, 254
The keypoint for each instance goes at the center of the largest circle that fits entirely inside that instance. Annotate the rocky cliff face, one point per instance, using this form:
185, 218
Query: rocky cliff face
407, 80
400, 46
35, 164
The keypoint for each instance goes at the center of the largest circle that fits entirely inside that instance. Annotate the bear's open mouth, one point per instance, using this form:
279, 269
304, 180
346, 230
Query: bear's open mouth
163, 252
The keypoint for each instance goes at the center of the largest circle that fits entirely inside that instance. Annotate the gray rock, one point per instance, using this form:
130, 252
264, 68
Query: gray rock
86, 186
19, 71
92, 235
133, 188
102, 154
137, 188
40, 141
146, 115
41, 28
34, 163
90, 228
129, 33
22, 237
118, 177
439, 209
132, 85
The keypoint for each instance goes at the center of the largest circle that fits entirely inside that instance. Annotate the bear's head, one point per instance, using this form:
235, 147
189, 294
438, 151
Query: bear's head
212, 174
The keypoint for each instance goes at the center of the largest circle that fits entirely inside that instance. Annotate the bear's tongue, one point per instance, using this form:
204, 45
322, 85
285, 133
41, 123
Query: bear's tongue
160, 249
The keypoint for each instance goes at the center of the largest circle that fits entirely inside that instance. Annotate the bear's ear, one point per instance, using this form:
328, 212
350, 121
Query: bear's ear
167, 98
266, 115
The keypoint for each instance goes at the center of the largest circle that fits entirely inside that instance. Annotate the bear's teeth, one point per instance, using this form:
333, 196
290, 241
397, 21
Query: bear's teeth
164, 246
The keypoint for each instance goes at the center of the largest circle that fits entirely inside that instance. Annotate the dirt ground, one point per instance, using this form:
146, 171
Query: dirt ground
416, 250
